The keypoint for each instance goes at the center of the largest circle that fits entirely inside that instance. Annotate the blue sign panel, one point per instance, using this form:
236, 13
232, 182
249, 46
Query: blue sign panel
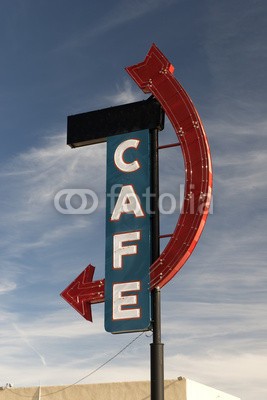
128, 233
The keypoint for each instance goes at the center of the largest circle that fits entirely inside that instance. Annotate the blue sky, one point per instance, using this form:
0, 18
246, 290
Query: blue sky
60, 58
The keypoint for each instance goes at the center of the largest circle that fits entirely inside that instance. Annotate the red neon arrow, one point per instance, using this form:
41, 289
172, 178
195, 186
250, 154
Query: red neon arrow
155, 75
83, 292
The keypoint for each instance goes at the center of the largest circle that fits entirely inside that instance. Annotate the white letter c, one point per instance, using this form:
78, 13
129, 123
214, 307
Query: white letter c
118, 156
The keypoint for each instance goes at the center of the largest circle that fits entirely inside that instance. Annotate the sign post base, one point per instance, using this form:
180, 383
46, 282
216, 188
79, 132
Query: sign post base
156, 351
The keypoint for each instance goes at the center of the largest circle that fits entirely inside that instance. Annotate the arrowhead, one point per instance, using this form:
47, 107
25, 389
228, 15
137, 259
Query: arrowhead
152, 69
82, 292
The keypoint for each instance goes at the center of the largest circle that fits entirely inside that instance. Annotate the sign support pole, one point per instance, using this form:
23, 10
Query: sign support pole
156, 348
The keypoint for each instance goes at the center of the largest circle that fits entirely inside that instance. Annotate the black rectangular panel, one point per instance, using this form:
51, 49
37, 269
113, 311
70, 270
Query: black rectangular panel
94, 127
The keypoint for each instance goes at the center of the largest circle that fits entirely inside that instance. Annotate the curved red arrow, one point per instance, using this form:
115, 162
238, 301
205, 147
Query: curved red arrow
82, 292
155, 75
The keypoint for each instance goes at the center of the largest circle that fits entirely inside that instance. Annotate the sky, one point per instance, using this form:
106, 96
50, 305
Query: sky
60, 58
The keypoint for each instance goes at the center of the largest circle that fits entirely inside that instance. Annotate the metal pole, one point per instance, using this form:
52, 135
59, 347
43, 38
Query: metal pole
156, 348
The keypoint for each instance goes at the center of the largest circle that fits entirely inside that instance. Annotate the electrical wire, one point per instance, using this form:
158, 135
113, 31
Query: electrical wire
86, 376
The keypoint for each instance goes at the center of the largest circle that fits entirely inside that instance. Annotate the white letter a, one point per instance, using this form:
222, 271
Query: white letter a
127, 202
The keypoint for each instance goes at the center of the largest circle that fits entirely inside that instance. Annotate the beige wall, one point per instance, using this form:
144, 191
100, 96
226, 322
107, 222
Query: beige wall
174, 390
179, 389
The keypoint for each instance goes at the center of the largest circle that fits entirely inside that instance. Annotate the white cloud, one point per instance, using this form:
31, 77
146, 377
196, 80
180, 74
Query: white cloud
31, 181
241, 374
125, 94
6, 286
26, 340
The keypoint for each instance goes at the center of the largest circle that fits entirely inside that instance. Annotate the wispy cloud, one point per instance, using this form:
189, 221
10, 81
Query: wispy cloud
211, 336
31, 181
118, 15
236, 55
26, 340
125, 94
227, 372
6, 286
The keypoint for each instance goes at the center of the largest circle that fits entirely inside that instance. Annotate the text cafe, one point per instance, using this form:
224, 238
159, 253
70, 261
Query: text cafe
128, 233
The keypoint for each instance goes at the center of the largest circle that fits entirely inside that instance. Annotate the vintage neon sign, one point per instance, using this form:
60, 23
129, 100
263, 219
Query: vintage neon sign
155, 75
